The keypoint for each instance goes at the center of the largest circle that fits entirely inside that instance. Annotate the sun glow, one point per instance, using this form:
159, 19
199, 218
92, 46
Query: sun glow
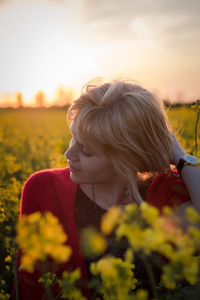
46, 44
38, 52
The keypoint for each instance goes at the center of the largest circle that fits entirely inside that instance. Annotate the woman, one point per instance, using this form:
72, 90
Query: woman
120, 132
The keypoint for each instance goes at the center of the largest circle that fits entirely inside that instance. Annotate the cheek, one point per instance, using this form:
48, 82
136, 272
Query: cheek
98, 168
93, 171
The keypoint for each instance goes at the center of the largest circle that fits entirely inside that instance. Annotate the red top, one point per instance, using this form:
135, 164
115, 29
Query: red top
52, 190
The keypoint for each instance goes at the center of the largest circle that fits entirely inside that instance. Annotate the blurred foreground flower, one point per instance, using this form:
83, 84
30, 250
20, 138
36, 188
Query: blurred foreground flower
110, 220
93, 242
40, 236
68, 285
149, 232
149, 235
192, 215
48, 279
117, 276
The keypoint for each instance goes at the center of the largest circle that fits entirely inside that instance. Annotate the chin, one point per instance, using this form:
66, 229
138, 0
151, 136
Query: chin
78, 180
75, 178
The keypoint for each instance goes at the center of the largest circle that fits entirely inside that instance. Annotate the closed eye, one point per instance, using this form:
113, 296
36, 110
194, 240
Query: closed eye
82, 147
85, 151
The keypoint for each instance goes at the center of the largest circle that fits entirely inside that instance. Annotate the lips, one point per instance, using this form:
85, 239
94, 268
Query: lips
72, 168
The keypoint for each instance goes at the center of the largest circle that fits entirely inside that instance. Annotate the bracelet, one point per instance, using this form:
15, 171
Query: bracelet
189, 160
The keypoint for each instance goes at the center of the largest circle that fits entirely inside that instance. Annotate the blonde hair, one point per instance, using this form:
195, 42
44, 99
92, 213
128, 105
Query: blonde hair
129, 123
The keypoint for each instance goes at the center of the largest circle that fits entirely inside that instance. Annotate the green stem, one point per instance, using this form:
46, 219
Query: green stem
196, 131
58, 296
43, 298
49, 295
151, 277
48, 291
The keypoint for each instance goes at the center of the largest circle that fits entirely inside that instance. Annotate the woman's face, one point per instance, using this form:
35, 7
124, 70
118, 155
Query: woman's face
88, 164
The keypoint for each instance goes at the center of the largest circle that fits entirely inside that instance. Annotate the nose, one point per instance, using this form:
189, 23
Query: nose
66, 154
71, 154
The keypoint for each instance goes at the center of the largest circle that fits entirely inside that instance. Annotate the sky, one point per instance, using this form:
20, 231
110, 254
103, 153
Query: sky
49, 43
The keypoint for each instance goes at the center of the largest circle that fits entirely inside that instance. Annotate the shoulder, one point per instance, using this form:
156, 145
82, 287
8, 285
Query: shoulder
47, 189
167, 189
48, 176
48, 180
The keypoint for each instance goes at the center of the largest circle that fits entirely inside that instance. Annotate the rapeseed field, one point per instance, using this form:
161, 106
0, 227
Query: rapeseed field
36, 139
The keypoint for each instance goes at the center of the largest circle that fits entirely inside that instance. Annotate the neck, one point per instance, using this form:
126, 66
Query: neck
105, 195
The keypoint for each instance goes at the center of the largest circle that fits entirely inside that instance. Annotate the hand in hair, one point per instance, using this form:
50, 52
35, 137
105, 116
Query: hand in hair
190, 176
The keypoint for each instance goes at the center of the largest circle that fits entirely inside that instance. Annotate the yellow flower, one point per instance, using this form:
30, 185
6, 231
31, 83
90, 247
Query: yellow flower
106, 267
166, 249
4, 296
195, 235
169, 281
110, 219
34, 217
167, 211
61, 253
49, 248
129, 256
191, 269
98, 243
141, 294
192, 215
149, 213
8, 259
48, 279
93, 242
68, 285
27, 263
40, 236
117, 277
182, 265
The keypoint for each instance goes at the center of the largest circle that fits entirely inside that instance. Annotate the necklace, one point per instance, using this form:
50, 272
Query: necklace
93, 193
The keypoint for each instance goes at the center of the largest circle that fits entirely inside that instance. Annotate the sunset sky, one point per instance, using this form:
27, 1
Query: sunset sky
48, 43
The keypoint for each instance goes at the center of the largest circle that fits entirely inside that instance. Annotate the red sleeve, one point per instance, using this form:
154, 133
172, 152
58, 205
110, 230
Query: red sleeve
54, 191
28, 202
25, 281
37, 195
167, 190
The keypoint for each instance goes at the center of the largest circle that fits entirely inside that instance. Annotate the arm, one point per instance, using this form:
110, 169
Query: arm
28, 201
190, 176
38, 194
28, 205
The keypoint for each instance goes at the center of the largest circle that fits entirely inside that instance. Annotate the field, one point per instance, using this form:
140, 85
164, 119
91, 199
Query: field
35, 139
